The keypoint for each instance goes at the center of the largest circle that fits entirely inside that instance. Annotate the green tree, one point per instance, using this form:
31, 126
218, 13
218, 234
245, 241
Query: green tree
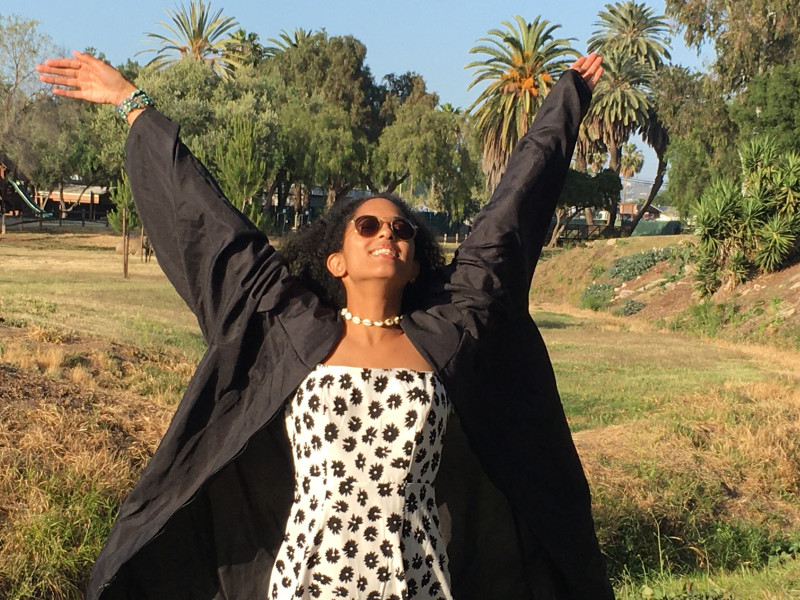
583, 192
655, 134
327, 84
771, 106
122, 197
22, 47
244, 48
184, 91
198, 34
241, 168
413, 144
697, 152
521, 65
749, 36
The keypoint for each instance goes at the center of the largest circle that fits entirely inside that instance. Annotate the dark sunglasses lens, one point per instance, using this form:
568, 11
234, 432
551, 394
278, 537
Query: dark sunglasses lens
403, 229
367, 225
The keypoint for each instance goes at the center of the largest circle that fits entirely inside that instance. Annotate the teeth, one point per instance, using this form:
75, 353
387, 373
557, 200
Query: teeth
383, 252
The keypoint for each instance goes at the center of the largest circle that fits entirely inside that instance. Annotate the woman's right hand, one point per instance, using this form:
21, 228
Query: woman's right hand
86, 78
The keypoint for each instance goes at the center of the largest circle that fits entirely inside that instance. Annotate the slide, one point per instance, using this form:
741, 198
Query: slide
27, 199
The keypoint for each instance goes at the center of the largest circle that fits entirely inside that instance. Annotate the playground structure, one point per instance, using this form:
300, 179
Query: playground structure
28, 202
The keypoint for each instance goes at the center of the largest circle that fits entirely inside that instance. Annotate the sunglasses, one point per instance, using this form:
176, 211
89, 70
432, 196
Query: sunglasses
368, 226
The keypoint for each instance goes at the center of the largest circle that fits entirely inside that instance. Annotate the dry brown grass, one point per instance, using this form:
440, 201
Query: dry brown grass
67, 457
721, 469
157, 373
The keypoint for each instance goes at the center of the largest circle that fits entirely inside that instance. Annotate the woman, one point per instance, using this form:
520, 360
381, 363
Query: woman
225, 507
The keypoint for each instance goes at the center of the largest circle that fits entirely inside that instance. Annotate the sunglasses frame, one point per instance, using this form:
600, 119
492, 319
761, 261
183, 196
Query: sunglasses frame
391, 223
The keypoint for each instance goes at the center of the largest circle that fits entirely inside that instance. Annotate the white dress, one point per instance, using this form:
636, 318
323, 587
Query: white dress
364, 524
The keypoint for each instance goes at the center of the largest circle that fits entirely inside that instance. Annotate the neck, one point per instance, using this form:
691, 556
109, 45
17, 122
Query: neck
374, 306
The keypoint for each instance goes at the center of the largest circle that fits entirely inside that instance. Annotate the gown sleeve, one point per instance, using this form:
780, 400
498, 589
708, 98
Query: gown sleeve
216, 259
492, 269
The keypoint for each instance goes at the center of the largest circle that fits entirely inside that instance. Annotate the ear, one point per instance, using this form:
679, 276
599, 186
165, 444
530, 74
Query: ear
335, 265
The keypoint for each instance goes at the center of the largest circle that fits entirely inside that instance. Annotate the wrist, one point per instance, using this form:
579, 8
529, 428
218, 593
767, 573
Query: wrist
135, 102
124, 92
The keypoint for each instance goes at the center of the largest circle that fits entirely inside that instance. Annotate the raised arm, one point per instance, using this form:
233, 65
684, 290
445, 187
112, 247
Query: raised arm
217, 260
492, 269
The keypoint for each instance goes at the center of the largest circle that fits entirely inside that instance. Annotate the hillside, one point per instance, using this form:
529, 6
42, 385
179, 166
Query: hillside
764, 310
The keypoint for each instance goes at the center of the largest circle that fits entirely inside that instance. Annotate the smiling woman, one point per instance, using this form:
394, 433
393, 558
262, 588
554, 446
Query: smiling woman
316, 455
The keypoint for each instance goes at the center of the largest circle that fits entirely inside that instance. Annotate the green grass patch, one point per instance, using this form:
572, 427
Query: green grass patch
608, 375
49, 553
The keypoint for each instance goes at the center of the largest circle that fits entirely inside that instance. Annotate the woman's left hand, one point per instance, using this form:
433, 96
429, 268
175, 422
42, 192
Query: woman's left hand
590, 68
86, 78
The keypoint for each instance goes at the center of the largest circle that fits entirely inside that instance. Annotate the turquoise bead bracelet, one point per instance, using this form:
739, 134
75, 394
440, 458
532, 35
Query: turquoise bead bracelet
138, 99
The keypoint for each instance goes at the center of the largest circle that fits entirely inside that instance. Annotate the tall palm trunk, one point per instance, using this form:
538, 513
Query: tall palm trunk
614, 156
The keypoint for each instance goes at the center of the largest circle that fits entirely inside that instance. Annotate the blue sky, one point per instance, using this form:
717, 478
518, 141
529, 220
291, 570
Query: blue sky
430, 37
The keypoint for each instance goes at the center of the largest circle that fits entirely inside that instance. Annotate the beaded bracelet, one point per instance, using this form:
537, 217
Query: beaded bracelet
138, 99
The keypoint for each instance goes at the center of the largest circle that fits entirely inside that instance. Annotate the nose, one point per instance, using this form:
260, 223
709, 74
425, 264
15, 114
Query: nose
386, 229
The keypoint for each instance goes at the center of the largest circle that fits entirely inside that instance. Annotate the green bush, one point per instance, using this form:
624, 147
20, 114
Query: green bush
626, 268
630, 307
597, 296
706, 318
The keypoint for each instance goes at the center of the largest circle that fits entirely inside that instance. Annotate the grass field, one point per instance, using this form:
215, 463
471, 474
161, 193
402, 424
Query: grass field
691, 446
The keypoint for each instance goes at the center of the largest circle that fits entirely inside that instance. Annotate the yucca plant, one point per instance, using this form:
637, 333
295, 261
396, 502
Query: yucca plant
788, 184
750, 224
707, 277
776, 240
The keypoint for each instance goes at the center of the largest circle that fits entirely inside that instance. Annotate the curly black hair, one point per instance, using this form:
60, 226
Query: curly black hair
307, 250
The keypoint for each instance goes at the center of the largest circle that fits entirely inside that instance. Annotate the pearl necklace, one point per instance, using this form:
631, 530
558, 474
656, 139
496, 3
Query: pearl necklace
388, 322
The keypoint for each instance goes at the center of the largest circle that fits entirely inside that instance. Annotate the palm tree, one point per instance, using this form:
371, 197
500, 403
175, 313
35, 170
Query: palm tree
520, 69
632, 29
245, 48
620, 106
195, 33
631, 161
289, 40
635, 44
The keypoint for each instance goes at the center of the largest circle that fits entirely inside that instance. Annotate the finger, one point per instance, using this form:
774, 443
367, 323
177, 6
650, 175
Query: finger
578, 63
596, 76
60, 63
595, 60
59, 80
68, 92
46, 72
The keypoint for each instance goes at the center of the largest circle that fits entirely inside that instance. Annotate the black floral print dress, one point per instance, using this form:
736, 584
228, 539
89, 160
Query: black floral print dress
364, 523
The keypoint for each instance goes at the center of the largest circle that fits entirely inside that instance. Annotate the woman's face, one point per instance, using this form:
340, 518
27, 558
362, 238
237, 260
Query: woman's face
381, 257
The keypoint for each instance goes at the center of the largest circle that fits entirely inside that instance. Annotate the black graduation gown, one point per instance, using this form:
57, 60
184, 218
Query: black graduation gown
208, 514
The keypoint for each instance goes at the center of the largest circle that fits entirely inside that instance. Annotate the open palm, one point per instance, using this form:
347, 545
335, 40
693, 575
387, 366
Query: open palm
86, 78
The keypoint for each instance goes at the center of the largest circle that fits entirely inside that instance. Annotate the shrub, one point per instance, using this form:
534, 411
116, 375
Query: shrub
630, 307
597, 296
749, 223
626, 268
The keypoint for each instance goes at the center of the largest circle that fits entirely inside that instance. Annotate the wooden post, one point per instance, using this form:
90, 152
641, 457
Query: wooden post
141, 244
2, 223
124, 243
83, 217
91, 206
